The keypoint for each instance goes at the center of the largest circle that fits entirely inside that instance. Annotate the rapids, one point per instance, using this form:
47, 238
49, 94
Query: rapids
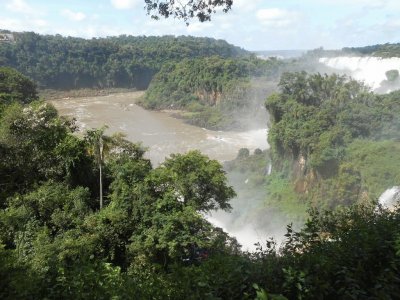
158, 131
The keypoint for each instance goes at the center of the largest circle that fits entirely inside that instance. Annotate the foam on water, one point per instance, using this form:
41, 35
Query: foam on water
390, 197
247, 235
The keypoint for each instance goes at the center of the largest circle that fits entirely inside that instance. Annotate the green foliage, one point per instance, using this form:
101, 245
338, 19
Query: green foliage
65, 62
201, 79
51, 232
365, 171
261, 294
310, 106
316, 120
36, 146
14, 87
243, 153
191, 9
377, 163
151, 240
346, 254
199, 181
379, 50
254, 167
216, 91
282, 194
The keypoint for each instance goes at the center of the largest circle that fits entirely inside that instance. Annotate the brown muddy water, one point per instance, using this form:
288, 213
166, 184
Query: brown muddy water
158, 131
163, 135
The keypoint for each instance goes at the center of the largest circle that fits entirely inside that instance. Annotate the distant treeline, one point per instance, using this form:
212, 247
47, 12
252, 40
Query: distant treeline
380, 50
60, 62
217, 83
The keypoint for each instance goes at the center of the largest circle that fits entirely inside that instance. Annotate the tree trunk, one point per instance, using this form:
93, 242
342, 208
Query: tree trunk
101, 187
101, 175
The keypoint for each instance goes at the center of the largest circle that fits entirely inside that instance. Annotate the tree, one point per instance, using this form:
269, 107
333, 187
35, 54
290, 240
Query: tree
187, 9
243, 153
58, 62
29, 138
16, 87
197, 181
98, 144
116, 147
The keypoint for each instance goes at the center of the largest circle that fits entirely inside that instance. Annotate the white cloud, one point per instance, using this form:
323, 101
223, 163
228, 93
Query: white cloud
125, 4
353, 2
11, 24
73, 16
19, 6
40, 23
277, 18
245, 5
363, 4
198, 27
22, 7
37, 25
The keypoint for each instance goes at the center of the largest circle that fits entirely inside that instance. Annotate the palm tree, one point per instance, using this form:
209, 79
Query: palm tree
99, 144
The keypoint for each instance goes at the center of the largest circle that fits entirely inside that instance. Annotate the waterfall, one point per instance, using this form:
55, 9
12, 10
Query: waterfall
371, 70
390, 197
269, 171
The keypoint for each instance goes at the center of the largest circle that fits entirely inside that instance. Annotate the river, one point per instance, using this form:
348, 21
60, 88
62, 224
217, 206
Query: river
158, 131
163, 135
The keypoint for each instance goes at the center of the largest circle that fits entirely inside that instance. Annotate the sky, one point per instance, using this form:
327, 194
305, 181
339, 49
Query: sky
251, 24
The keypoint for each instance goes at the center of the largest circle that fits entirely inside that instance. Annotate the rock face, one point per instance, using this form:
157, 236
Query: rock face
209, 97
390, 197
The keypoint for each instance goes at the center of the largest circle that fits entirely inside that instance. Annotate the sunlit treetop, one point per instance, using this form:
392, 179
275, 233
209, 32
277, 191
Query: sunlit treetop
186, 9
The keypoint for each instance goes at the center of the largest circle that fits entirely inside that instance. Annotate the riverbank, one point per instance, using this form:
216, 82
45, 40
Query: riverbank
50, 94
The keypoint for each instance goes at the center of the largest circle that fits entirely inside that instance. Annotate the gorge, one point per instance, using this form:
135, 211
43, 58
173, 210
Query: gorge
163, 135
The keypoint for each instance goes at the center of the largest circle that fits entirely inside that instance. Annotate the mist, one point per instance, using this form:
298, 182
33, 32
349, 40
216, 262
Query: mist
252, 220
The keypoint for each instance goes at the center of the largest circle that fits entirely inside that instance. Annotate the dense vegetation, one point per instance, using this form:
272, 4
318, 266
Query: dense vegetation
14, 87
215, 92
150, 239
68, 63
333, 139
215, 84
211, 80
52, 228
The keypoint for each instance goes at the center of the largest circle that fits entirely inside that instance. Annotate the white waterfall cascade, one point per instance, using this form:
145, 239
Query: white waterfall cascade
371, 70
390, 197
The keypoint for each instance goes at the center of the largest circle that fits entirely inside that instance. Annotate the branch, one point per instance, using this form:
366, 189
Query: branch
187, 9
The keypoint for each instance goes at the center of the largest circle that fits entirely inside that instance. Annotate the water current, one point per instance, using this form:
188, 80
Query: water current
158, 131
